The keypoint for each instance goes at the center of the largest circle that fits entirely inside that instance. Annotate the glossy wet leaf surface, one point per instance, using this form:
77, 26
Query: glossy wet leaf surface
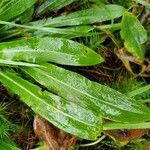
47, 49
13, 8
70, 32
102, 100
53, 5
75, 31
64, 114
134, 35
83, 17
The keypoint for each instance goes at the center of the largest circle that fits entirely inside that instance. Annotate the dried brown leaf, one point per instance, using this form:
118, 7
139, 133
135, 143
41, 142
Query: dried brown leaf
53, 138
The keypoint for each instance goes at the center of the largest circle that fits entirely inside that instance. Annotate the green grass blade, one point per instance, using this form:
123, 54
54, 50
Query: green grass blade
114, 126
139, 91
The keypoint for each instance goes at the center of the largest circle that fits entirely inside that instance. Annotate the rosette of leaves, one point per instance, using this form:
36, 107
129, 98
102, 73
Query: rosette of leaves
66, 99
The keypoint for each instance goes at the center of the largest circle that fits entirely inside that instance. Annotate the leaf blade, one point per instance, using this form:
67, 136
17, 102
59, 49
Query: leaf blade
14, 8
102, 100
83, 17
53, 5
66, 119
38, 50
134, 35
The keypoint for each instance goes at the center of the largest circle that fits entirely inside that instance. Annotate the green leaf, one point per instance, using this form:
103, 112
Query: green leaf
74, 31
53, 5
134, 35
62, 113
3, 2
38, 50
27, 15
114, 126
69, 32
83, 17
13, 8
102, 100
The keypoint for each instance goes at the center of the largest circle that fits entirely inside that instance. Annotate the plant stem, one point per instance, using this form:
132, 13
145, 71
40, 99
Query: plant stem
113, 126
40, 28
116, 26
93, 143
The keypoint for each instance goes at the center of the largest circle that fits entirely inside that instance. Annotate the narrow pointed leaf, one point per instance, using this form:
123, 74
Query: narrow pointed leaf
75, 30
13, 8
62, 113
139, 91
70, 32
102, 100
53, 5
84, 17
134, 35
37, 50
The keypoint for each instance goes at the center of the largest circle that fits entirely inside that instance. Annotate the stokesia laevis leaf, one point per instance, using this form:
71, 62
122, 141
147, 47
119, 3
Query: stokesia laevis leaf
14, 8
83, 17
53, 5
102, 100
134, 35
48, 49
64, 114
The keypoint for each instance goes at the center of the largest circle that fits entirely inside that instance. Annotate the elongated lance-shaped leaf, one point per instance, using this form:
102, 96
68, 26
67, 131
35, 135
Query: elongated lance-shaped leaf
84, 17
64, 114
53, 5
13, 8
134, 35
37, 50
70, 32
139, 91
102, 100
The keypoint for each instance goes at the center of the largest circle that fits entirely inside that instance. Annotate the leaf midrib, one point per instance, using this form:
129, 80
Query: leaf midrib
79, 90
18, 63
35, 51
19, 85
